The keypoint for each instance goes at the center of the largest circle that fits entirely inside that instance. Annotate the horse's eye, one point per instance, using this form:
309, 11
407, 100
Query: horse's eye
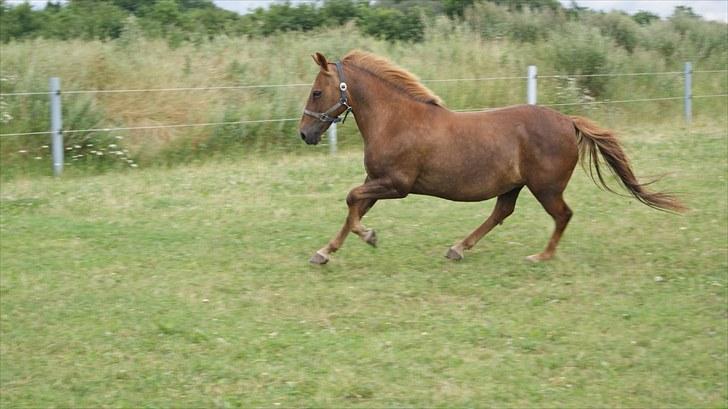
316, 94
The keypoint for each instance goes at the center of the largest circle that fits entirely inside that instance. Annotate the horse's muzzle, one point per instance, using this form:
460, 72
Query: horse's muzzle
311, 138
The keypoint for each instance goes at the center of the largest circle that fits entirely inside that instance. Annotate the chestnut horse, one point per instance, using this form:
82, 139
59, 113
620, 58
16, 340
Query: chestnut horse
413, 144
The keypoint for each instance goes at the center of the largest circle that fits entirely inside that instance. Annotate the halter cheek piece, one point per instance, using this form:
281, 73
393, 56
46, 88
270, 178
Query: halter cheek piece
343, 102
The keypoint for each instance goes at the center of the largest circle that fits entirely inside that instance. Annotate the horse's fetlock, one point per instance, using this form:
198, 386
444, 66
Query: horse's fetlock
370, 237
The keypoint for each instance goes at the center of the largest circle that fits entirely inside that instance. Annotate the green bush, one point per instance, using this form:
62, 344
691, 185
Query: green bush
489, 20
284, 17
392, 24
619, 27
578, 49
339, 12
685, 36
456, 8
662, 38
19, 22
529, 26
644, 18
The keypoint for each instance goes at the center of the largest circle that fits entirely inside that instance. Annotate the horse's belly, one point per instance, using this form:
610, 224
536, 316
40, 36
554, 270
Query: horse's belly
469, 185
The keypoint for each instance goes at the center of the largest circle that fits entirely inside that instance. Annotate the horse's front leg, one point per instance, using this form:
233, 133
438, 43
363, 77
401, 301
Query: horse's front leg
359, 201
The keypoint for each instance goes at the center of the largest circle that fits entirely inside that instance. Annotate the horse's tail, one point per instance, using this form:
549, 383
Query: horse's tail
593, 138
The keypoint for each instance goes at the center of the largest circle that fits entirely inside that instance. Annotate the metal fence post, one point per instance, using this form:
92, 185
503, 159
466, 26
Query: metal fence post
332, 138
688, 92
56, 125
531, 86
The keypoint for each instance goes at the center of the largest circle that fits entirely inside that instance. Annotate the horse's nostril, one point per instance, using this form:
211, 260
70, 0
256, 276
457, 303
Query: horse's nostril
303, 136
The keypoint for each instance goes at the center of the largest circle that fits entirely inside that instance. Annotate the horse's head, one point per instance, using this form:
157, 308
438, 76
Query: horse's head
328, 100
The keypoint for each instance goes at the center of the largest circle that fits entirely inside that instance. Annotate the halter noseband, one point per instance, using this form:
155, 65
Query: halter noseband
343, 101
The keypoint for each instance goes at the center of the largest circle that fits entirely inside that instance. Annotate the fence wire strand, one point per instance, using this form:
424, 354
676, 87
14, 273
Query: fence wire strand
293, 85
254, 121
477, 79
619, 101
627, 74
137, 128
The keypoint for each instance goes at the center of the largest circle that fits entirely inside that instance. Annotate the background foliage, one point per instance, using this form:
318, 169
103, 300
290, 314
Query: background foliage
394, 20
123, 44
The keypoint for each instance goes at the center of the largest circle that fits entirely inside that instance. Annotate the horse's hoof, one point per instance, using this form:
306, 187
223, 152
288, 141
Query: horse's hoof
319, 259
453, 254
370, 238
537, 258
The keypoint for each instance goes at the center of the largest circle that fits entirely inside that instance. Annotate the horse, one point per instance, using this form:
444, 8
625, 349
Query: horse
413, 144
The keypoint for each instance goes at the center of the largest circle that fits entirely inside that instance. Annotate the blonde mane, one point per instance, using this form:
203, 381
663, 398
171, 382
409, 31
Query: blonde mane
397, 76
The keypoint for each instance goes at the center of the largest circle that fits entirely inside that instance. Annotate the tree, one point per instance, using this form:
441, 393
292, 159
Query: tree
134, 6
392, 24
684, 11
339, 12
575, 10
645, 18
456, 8
18, 22
519, 5
620, 27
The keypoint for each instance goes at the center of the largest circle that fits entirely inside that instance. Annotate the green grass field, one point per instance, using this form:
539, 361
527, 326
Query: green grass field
190, 287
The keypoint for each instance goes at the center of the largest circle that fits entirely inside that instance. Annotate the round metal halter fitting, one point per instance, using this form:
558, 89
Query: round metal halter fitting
342, 86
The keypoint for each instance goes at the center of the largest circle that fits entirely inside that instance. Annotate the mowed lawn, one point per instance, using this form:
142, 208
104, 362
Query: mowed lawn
191, 287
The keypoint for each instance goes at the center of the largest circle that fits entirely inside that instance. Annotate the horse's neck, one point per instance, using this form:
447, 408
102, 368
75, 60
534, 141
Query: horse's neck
377, 106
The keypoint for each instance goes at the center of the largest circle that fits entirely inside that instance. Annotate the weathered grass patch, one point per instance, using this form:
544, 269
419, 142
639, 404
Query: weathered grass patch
190, 287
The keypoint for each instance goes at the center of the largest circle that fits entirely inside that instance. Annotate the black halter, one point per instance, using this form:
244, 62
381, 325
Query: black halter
343, 102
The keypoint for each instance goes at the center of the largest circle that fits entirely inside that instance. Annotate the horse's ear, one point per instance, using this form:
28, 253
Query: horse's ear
321, 61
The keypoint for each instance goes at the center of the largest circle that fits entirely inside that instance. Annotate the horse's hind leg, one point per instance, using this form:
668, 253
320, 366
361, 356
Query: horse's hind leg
503, 208
553, 203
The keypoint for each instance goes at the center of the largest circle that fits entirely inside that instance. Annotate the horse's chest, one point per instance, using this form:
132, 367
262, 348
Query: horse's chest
382, 165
